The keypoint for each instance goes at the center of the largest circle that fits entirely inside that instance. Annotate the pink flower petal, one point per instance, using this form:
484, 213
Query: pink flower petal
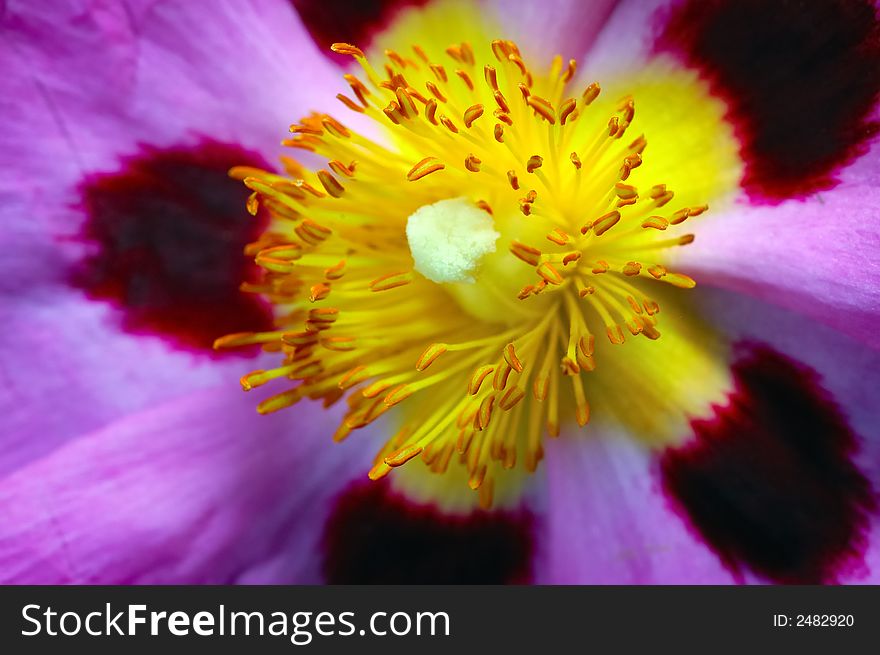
84, 85
102, 80
608, 523
625, 40
199, 490
817, 257
557, 27
849, 371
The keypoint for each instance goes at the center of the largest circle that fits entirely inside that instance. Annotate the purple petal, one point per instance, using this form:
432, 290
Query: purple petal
67, 372
200, 490
557, 27
240, 71
816, 257
82, 88
608, 523
849, 372
625, 40
155, 71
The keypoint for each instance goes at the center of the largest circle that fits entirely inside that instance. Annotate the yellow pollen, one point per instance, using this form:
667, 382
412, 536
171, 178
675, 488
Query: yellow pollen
469, 277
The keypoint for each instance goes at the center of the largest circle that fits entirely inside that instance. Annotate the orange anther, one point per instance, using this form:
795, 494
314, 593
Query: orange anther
471, 114
430, 354
602, 224
425, 167
347, 49
591, 93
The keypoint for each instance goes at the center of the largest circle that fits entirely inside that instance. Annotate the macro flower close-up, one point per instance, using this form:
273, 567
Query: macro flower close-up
440, 291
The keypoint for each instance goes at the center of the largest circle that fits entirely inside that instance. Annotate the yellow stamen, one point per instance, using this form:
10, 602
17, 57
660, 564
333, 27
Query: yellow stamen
474, 365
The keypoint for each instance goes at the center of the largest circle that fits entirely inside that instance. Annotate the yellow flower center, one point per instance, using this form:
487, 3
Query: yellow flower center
473, 269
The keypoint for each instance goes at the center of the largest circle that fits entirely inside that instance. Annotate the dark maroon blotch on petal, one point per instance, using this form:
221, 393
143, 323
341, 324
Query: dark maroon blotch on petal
348, 21
375, 536
769, 482
167, 232
801, 79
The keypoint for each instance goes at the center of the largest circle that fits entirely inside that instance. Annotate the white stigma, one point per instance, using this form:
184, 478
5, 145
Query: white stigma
448, 239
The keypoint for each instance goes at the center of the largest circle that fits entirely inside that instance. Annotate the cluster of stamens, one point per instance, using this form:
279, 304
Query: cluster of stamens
356, 321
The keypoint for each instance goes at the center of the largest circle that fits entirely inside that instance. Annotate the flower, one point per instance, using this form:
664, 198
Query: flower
736, 447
